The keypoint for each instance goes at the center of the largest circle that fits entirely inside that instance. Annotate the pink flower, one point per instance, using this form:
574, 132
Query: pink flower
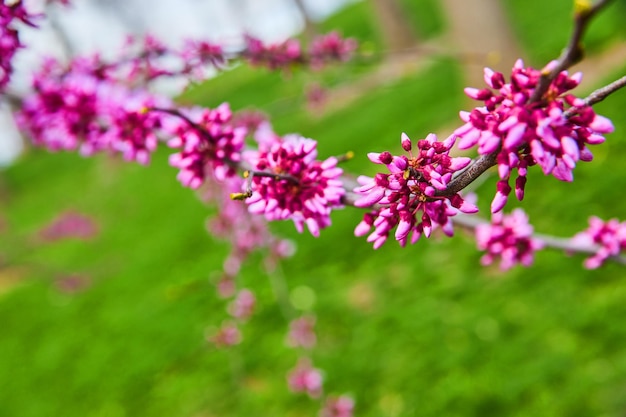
330, 47
509, 238
274, 56
305, 378
552, 132
242, 306
609, 238
407, 197
290, 183
9, 36
341, 406
206, 142
227, 335
301, 333
70, 224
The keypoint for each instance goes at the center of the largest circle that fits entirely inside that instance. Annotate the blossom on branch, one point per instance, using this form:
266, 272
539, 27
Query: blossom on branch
305, 378
341, 406
509, 238
552, 131
406, 196
9, 36
288, 182
72, 108
207, 142
609, 237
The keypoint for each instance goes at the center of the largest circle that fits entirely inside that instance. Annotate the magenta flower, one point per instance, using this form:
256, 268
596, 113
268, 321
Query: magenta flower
227, 335
509, 238
609, 238
242, 306
70, 225
301, 333
330, 47
207, 142
305, 378
407, 195
552, 132
9, 36
274, 56
341, 406
289, 183
74, 109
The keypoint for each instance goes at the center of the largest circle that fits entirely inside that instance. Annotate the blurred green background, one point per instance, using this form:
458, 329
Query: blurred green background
419, 331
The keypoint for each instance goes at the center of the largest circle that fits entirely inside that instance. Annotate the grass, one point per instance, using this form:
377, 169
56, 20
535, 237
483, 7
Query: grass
421, 331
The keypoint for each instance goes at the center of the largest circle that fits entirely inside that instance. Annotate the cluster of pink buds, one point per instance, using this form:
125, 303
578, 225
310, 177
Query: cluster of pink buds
330, 47
508, 238
68, 225
73, 109
407, 195
9, 36
207, 141
305, 378
322, 50
341, 406
301, 333
552, 131
609, 238
288, 182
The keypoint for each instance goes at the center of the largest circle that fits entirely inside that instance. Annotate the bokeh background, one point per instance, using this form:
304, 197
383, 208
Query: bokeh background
115, 323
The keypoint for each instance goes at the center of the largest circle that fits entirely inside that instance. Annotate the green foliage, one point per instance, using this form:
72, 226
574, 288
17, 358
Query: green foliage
422, 331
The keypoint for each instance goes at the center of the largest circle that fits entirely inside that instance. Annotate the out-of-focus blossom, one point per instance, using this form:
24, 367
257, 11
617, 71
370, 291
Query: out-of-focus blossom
330, 47
301, 333
68, 225
341, 406
407, 194
552, 131
10, 13
508, 238
227, 335
242, 306
305, 378
609, 237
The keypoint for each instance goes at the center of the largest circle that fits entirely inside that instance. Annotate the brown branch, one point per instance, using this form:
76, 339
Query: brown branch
574, 51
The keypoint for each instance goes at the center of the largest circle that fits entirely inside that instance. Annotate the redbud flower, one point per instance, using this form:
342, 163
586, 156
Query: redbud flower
9, 36
509, 238
407, 194
70, 224
289, 183
301, 332
227, 335
207, 142
330, 47
274, 56
305, 378
341, 406
552, 132
609, 237
242, 306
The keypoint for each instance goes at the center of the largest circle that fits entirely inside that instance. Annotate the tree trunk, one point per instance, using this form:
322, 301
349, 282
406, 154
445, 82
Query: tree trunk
396, 30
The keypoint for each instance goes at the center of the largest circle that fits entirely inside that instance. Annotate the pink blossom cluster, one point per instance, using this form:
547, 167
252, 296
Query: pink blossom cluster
301, 332
330, 47
508, 238
341, 406
552, 131
9, 36
305, 378
70, 224
407, 196
207, 142
323, 49
228, 334
608, 237
288, 182
73, 109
